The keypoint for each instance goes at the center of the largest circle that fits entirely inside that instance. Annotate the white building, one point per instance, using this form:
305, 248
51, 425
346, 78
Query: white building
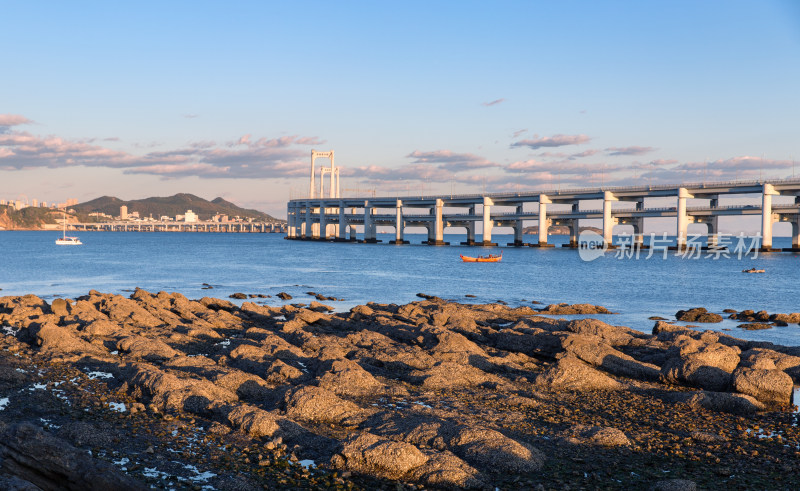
190, 217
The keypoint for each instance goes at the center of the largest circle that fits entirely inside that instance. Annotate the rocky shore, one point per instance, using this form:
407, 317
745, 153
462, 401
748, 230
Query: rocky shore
156, 390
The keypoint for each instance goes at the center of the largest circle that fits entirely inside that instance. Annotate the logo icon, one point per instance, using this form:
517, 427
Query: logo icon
591, 245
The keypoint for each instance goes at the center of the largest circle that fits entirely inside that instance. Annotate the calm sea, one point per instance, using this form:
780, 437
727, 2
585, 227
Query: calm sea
117, 262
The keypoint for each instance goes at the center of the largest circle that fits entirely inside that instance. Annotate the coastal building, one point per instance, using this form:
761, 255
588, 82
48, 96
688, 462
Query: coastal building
123, 212
190, 217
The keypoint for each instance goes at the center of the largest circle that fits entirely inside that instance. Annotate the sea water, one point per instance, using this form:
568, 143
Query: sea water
255, 263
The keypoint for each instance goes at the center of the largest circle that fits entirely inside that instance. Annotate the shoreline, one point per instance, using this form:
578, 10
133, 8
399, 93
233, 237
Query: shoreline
427, 394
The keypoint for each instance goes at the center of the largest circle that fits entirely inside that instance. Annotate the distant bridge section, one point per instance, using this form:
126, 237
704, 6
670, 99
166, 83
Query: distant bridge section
148, 226
347, 218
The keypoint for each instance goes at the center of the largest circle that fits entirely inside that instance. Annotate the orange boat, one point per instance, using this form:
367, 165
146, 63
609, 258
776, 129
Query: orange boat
491, 258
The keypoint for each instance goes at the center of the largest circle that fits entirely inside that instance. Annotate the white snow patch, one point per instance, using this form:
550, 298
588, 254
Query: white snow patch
38, 386
97, 375
199, 476
307, 463
153, 472
117, 406
122, 463
418, 403
3, 403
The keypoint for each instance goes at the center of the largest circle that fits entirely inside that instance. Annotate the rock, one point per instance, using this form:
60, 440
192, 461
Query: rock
238, 296
772, 387
793, 318
146, 348
788, 363
60, 340
346, 377
60, 307
661, 326
707, 366
284, 296
370, 454
656, 318
754, 326
443, 469
602, 435
492, 449
570, 373
698, 314
32, 455
578, 308
615, 336
315, 404
595, 351
739, 404
674, 485
447, 374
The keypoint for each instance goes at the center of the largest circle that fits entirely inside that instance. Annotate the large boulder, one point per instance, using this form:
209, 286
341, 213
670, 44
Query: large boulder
595, 351
370, 454
578, 308
599, 435
613, 335
318, 405
698, 314
570, 373
346, 377
491, 449
772, 387
707, 366
33, 455
147, 348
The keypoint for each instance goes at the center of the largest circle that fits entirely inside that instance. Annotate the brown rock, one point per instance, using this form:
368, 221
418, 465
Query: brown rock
367, 453
772, 387
698, 314
32, 455
570, 373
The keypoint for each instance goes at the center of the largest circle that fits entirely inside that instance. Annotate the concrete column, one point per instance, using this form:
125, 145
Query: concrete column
487, 220
369, 227
608, 220
307, 231
683, 218
470, 228
398, 224
323, 222
796, 233
766, 215
518, 226
574, 229
342, 229
438, 224
544, 223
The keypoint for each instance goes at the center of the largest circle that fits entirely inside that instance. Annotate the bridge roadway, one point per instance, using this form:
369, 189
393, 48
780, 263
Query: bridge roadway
343, 218
204, 226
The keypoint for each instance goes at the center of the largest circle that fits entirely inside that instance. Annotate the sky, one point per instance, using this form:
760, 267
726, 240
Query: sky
139, 99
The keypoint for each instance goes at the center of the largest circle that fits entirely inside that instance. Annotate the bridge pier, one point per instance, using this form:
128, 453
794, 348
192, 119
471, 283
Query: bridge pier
488, 223
683, 218
767, 217
398, 225
608, 220
436, 231
470, 226
369, 226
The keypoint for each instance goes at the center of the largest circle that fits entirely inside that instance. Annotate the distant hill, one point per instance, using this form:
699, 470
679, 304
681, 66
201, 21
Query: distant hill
171, 206
27, 218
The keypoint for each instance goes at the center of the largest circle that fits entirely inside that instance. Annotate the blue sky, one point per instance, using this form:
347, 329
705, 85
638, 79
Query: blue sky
154, 98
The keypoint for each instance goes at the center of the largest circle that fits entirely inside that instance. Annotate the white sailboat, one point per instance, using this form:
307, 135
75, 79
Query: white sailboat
64, 240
